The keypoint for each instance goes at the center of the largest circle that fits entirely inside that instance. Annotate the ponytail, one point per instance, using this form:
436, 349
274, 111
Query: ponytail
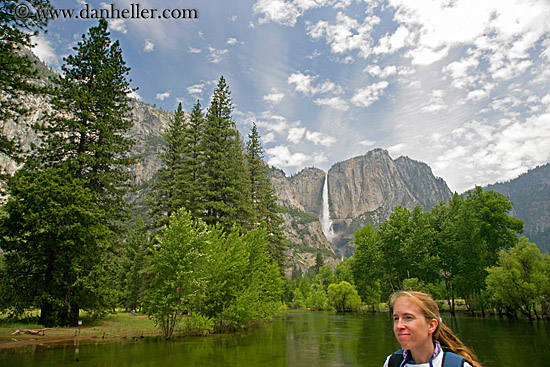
450, 342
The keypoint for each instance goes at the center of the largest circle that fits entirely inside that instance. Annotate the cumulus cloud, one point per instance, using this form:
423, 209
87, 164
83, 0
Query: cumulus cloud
268, 138
194, 50
280, 156
346, 34
135, 95
196, 89
377, 71
274, 98
318, 138
295, 134
163, 96
366, 96
118, 25
305, 84
216, 55
148, 46
336, 103
44, 50
232, 41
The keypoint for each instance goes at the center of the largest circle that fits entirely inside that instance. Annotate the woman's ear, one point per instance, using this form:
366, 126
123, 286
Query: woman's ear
432, 326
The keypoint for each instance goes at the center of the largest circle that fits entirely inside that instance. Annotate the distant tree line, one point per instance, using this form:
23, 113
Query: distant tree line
467, 249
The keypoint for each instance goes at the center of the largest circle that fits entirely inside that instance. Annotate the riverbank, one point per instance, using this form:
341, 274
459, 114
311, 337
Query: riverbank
19, 334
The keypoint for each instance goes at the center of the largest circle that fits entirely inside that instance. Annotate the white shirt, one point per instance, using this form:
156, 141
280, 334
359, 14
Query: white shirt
436, 362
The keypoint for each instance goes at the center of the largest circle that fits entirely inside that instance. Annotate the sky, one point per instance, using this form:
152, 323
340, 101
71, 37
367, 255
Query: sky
462, 85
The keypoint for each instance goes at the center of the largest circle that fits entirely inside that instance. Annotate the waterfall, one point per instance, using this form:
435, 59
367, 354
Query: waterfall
326, 223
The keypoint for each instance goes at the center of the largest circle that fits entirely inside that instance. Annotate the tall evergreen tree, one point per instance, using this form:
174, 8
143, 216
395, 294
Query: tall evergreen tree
18, 76
193, 162
87, 129
63, 208
224, 178
264, 201
167, 197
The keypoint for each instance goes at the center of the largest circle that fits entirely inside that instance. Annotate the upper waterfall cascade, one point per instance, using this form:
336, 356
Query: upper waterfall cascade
326, 223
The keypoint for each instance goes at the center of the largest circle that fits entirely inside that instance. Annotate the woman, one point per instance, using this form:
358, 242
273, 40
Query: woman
425, 340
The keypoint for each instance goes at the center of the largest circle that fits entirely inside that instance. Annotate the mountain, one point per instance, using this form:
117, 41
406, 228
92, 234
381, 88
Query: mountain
361, 190
530, 195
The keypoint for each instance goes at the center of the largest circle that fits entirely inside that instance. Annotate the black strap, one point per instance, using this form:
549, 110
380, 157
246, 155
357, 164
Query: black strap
450, 359
396, 359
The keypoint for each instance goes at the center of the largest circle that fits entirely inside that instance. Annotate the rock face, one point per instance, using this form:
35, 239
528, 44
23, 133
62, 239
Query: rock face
362, 190
301, 228
530, 195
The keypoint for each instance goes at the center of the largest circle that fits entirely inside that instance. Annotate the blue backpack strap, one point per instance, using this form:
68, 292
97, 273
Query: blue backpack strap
396, 359
451, 359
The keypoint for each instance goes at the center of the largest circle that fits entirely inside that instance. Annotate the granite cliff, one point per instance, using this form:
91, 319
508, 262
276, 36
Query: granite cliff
361, 190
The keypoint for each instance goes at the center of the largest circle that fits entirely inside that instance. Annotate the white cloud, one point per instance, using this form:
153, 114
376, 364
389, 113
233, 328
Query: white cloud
304, 84
367, 143
163, 96
377, 71
196, 89
44, 50
216, 55
194, 50
366, 96
347, 34
391, 43
232, 41
280, 156
118, 25
148, 46
295, 134
277, 11
268, 138
274, 98
318, 138
335, 102
135, 95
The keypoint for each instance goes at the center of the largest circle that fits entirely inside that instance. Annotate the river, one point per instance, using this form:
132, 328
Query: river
299, 339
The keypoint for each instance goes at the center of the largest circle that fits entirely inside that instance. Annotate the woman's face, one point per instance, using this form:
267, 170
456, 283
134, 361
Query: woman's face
410, 326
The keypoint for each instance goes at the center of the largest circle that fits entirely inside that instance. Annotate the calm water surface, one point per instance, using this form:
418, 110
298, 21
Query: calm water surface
299, 339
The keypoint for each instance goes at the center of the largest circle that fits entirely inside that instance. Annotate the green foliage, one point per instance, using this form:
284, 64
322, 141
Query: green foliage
343, 297
66, 202
264, 201
55, 246
166, 197
517, 282
131, 263
226, 189
366, 268
200, 269
444, 252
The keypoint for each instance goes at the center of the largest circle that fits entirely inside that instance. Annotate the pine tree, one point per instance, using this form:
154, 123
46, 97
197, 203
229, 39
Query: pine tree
167, 192
64, 205
264, 201
18, 75
91, 119
224, 178
193, 162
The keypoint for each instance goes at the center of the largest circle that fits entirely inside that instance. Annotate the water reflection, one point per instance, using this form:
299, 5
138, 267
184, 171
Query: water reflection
298, 339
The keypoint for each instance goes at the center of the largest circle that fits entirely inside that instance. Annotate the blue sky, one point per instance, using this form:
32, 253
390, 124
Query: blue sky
463, 85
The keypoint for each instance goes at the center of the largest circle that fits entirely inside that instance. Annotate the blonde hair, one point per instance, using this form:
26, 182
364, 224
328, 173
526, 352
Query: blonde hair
445, 336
